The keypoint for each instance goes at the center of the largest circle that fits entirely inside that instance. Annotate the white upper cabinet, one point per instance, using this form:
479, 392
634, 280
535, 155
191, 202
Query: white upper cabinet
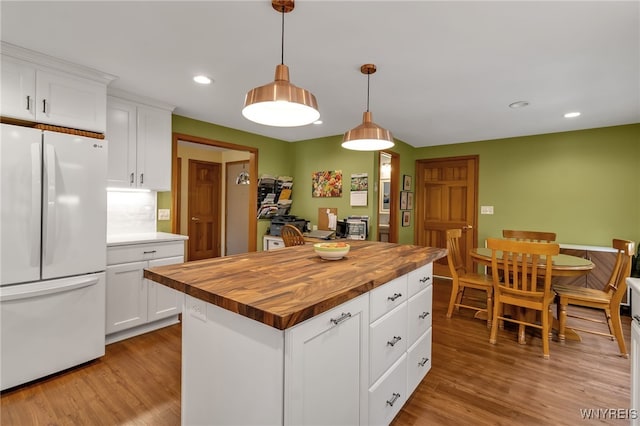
139, 137
42, 89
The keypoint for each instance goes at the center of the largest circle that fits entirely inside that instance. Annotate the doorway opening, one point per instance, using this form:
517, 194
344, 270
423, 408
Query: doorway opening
388, 201
228, 153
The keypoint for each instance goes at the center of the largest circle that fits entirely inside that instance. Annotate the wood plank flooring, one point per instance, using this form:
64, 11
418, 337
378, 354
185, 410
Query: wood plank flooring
471, 381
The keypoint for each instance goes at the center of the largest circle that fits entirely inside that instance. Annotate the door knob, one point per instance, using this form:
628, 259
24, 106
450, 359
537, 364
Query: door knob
195, 218
465, 227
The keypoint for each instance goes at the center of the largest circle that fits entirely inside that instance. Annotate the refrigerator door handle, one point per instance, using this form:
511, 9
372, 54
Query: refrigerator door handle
6, 296
50, 206
34, 220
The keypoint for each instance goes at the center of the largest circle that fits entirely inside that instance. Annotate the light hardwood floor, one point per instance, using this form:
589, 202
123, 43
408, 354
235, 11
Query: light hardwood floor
471, 382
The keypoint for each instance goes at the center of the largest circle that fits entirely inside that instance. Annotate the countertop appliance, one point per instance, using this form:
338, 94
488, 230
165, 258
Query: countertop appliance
53, 252
277, 222
634, 284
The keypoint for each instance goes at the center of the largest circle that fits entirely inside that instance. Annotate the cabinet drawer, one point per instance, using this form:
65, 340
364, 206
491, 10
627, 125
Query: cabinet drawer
420, 314
420, 279
138, 252
418, 361
389, 394
388, 296
388, 341
273, 243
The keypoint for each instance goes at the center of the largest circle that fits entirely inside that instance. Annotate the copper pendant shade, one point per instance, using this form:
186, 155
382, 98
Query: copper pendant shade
281, 103
368, 136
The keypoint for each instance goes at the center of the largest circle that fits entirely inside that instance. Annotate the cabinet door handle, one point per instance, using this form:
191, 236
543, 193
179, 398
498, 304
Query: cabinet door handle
149, 252
393, 341
393, 400
341, 318
28, 102
424, 279
394, 297
44, 106
131, 178
423, 315
423, 362
141, 178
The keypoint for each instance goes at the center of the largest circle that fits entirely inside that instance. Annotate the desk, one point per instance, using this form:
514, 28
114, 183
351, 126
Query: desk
563, 265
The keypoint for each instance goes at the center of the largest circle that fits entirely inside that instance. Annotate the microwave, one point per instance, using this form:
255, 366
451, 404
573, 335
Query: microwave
356, 230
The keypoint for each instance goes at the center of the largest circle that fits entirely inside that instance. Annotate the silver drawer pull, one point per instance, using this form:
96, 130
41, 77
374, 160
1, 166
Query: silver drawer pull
423, 315
393, 341
394, 399
424, 279
149, 252
423, 362
394, 297
342, 317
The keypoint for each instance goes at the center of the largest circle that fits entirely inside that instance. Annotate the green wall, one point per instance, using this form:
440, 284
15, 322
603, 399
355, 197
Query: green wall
584, 185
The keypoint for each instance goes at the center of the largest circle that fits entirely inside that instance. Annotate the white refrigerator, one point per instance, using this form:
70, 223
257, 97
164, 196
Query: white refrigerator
52, 252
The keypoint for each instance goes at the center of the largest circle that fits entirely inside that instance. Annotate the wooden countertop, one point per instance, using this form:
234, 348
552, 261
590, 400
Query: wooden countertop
284, 287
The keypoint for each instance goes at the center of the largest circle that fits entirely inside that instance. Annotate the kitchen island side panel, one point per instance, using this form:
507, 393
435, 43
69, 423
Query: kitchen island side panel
232, 368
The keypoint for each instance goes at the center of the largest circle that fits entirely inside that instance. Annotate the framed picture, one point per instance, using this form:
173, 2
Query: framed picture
409, 200
326, 183
406, 183
406, 218
403, 200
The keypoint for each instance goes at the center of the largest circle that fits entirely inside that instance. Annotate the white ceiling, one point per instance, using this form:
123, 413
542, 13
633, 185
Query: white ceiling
447, 71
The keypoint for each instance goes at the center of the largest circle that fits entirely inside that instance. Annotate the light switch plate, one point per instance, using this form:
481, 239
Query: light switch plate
163, 214
486, 209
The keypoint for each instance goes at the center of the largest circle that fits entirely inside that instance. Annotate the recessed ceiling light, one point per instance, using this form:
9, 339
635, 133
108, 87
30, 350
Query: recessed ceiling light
202, 79
571, 114
518, 104
317, 122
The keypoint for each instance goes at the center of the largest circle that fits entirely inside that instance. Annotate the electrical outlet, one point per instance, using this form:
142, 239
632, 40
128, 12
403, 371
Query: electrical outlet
164, 214
486, 209
198, 310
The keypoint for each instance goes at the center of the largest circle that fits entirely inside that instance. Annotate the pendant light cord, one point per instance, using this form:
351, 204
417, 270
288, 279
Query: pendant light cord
282, 40
368, 80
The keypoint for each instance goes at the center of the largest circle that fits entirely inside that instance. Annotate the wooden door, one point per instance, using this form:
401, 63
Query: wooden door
204, 210
446, 198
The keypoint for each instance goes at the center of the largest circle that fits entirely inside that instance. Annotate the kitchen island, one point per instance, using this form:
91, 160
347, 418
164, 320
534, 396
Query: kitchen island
285, 337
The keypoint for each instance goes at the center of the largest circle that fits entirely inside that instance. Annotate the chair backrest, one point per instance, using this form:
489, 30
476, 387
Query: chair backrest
621, 270
521, 262
454, 257
291, 236
542, 237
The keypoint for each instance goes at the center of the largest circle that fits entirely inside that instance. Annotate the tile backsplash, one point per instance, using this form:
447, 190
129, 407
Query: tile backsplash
131, 212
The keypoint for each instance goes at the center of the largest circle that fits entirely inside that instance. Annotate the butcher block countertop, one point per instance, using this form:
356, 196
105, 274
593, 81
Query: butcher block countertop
282, 288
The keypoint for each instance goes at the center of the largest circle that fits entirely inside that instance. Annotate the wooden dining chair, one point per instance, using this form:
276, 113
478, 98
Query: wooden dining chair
465, 279
522, 263
607, 299
534, 236
291, 236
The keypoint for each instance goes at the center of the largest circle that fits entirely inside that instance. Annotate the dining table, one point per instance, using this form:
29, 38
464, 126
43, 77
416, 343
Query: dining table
563, 265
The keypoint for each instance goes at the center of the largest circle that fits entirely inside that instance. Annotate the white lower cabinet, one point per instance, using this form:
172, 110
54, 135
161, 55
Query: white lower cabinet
135, 305
326, 367
346, 366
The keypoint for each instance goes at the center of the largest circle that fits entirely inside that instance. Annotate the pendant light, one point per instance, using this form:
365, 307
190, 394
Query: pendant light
368, 136
280, 103
243, 177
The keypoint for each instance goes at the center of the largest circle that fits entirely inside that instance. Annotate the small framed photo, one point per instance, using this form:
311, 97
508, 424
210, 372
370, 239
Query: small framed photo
403, 200
409, 200
406, 218
406, 183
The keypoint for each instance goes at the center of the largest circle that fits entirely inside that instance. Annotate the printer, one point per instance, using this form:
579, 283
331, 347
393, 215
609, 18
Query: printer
278, 221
